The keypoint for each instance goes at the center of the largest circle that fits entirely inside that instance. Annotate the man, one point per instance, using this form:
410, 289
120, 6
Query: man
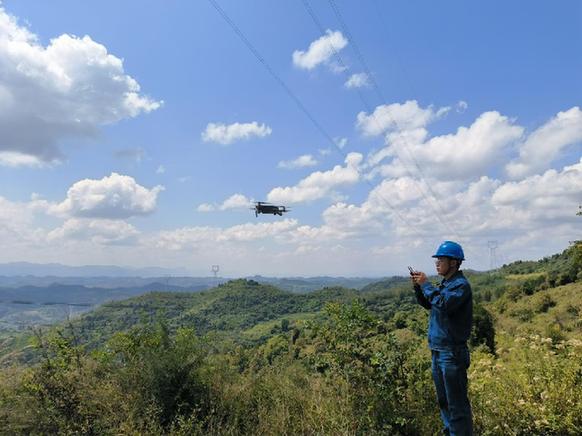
451, 312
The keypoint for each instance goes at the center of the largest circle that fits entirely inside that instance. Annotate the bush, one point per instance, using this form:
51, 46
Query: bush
544, 303
534, 388
483, 331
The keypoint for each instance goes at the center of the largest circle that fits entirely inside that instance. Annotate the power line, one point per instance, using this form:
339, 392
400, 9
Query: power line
361, 94
291, 94
272, 72
378, 91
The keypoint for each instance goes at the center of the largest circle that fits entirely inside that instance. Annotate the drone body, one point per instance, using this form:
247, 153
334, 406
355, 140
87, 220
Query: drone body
268, 208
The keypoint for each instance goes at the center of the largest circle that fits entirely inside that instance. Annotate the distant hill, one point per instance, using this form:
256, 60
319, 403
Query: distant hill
42, 305
232, 308
523, 294
307, 284
58, 270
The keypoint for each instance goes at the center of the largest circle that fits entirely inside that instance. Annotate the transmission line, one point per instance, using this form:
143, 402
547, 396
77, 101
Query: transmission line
378, 91
296, 99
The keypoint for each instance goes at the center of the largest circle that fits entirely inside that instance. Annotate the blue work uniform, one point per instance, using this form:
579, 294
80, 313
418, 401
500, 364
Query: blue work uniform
451, 316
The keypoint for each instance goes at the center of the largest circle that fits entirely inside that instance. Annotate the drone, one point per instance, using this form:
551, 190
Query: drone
268, 208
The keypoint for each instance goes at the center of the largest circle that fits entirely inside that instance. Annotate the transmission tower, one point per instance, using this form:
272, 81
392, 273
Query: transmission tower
492, 256
215, 269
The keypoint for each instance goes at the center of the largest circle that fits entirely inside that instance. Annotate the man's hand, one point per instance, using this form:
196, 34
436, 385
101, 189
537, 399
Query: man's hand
418, 278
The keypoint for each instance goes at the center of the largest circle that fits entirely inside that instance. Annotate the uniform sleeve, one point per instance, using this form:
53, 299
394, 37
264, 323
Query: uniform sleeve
449, 298
421, 298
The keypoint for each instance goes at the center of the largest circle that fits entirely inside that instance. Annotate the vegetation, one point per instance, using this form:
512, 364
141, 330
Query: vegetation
247, 358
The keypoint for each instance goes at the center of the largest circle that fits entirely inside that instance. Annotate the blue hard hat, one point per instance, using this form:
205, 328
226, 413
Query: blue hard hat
450, 249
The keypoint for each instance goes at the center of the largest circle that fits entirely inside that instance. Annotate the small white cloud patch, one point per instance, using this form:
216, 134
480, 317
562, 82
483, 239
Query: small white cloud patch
396, 116
227, 134
319, 51
303, 161
358, 80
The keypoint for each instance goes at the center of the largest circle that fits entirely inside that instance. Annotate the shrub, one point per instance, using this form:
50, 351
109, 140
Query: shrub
483, 331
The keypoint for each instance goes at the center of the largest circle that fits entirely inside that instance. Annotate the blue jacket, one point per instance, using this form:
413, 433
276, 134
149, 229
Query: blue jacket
451, 311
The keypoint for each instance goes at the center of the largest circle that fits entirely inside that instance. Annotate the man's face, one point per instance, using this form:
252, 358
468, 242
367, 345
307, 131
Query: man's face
442, 265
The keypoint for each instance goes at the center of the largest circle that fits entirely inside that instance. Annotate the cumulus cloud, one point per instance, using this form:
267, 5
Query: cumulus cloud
544, 145
302, 161
188, 237
227, 134
67, 89
467, 154
113, 197
396, 116
235, 201
101, 231
320, 183
16, 159
206, 207
553, 195
358, 80
320, 51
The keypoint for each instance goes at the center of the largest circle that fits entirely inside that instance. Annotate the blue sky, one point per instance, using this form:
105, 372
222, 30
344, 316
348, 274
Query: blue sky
138, 132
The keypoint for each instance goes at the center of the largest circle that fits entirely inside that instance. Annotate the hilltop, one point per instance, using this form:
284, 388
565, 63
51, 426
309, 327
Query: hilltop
247, 358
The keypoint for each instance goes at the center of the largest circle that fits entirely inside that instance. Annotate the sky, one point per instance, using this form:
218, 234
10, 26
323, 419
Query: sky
139, 133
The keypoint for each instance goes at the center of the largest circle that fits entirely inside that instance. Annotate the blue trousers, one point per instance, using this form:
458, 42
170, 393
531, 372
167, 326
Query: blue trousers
449, 372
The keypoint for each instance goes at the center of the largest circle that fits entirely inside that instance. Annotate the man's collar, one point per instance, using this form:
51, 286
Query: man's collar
456, 274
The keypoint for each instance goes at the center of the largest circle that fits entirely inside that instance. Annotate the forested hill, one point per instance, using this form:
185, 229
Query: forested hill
233, 307
248, 358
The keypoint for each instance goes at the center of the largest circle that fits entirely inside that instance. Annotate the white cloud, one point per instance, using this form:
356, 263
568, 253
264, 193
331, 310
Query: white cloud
66, 89
251, 231
15, 218
161, 169
544, 145
324, 151
358, 80
396, 116
303, 161
320, 183
341, 142
461, 106
113, 197
227, 134
206, 207
101, 231
236, 201
466, 154
553, 195
189, 237
320, 51
16, 159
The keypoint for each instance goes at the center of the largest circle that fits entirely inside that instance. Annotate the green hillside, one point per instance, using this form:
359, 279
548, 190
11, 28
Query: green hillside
230, 309
248, 358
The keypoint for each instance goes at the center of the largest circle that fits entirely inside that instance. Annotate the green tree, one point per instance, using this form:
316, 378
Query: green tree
483, 330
